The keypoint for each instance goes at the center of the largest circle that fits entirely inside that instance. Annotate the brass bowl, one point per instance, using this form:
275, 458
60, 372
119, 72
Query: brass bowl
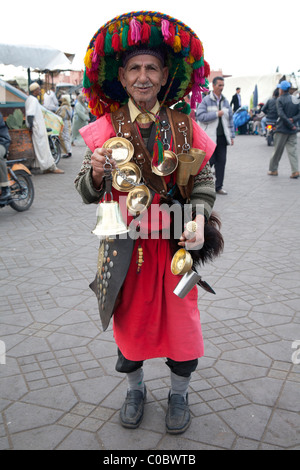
132, 172
122, 149
168, 166
181, 262
138, 199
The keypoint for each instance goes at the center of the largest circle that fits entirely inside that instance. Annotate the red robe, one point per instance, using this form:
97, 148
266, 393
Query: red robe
150, 320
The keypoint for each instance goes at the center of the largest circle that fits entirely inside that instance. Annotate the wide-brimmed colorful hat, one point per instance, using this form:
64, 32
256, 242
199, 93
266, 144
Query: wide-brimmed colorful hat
188, 71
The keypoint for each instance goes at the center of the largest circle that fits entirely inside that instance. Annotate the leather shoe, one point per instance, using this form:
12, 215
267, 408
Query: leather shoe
273, 173
132, 411
57, 171
222, 191
178, 416
295, 175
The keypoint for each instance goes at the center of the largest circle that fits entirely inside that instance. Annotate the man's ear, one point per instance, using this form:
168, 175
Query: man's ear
122, 76
165, 75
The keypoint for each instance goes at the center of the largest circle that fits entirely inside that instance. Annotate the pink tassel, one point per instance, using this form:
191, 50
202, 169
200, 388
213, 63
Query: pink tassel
198, 74
135, 30
196, 96
165, 29
95, 61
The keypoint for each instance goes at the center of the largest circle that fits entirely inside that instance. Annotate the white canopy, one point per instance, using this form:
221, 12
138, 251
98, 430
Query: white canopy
266, 84
36, 57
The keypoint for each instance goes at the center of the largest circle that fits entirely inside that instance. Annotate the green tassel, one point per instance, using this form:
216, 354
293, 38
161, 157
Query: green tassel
125, 36
199, 63
108, 49
183, 107
158, 153
155, 37
86, 82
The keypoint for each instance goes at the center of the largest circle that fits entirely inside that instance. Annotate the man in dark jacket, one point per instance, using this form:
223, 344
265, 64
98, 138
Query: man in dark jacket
4, 144
270, 111
286, 131
236, 100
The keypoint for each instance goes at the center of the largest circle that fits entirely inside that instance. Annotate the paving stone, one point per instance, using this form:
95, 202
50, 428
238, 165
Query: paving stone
59, 388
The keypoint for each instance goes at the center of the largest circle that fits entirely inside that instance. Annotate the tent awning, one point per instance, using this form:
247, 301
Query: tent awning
36, 57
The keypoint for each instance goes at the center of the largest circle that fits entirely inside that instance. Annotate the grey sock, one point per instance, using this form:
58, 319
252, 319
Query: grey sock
135, 380
179, 384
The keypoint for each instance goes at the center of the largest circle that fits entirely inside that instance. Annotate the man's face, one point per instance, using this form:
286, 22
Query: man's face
36, 92
218, 87
143, 76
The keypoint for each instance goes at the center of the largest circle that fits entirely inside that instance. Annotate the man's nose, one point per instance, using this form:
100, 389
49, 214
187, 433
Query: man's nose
143, 75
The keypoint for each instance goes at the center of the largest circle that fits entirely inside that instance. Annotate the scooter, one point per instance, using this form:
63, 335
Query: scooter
270, 129
20, 184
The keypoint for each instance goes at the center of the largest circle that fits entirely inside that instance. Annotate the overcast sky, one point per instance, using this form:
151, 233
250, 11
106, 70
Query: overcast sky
240, 37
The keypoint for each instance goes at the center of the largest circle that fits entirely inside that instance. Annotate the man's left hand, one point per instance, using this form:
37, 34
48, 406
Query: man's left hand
193, 240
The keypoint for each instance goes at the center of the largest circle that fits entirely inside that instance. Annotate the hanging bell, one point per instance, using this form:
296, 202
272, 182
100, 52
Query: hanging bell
109, 219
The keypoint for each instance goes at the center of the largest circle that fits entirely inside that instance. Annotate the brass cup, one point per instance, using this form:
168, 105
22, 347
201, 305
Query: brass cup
181, 262
185, 166
199, 156
138, 199
122, 149
168, 166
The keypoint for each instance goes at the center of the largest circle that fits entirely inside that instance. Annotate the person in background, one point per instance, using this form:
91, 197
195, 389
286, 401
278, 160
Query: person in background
236, 100
80, 118
65, 112
50, 100
286, 131
4, 145
36, 124
215, 117
270, 111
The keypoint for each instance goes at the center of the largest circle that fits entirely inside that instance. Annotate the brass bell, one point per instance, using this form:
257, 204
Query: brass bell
109, 220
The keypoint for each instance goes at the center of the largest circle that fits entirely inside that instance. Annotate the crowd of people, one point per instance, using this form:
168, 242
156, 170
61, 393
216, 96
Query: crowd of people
74, 112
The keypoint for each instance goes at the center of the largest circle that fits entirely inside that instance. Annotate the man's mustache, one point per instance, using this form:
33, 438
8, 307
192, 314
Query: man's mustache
144, 85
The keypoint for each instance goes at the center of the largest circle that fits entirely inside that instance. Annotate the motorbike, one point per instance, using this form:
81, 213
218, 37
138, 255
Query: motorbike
54, 144
21, 186
270, 129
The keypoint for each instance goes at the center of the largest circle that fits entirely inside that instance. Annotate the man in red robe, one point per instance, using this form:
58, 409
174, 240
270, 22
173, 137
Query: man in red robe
149, 320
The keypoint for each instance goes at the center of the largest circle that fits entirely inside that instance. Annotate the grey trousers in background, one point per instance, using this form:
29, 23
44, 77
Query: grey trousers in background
282, 141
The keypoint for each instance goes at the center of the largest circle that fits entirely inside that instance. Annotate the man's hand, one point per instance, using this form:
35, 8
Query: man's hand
194, 240
98, 160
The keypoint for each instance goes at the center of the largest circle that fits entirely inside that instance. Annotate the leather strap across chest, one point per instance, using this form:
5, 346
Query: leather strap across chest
180, 129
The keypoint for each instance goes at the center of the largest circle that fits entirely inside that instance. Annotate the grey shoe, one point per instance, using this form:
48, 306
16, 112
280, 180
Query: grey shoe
178, 416
222, 191
132, 411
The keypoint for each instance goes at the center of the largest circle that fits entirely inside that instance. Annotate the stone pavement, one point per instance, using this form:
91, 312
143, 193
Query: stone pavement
58, 386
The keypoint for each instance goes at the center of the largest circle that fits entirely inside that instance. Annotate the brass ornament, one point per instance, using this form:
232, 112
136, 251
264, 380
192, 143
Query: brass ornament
168, 166
122, 149
181, 262
133, 176
138, 199
109, 220
192, 226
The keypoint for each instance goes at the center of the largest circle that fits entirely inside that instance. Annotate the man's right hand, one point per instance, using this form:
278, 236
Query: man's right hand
98, 160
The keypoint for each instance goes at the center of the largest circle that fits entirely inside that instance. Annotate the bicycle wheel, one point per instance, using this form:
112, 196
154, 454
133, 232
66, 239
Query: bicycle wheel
55, 149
